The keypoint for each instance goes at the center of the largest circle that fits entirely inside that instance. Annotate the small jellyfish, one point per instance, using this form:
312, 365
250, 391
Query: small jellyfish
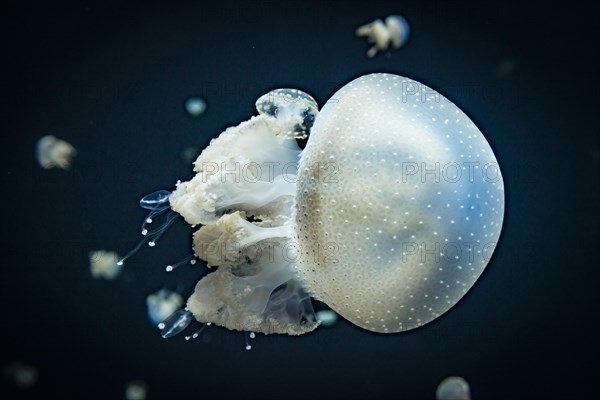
328, 318
162, 304
103, 264
395, 30
136, 390
389, 215
22, 375
453, 388
52, 152
195, 106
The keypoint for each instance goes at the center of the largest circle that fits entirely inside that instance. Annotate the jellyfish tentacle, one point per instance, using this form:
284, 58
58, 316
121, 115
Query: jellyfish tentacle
198, 332
158, 203
189, 259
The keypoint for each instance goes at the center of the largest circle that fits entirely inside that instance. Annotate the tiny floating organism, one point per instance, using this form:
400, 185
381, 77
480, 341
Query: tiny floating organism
22, 375
394, 31
136, 390
162, 304
389, 215
195, 106
103, 264
453, 388
52, 152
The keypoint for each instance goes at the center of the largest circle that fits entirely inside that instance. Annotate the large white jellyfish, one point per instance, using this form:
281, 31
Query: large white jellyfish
389, 215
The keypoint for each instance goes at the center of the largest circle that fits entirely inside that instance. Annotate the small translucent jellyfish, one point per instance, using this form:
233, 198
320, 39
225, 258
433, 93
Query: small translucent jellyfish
52, 152
103, 264
395, 30
136, 390
453, 388
22, 375
195, 106
389, 214
162, 304
327, 318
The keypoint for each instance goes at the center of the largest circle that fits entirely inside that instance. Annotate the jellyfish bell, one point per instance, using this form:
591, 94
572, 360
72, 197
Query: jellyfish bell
389, 215
415, 211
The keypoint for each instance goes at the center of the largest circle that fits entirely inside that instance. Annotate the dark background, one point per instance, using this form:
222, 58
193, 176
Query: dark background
111, 79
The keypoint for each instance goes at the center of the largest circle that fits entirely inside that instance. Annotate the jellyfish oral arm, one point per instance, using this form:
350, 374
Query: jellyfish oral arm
227, 178
250, 171
254, 287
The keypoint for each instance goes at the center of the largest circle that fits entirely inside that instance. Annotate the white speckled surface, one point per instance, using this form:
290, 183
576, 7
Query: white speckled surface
399, 203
